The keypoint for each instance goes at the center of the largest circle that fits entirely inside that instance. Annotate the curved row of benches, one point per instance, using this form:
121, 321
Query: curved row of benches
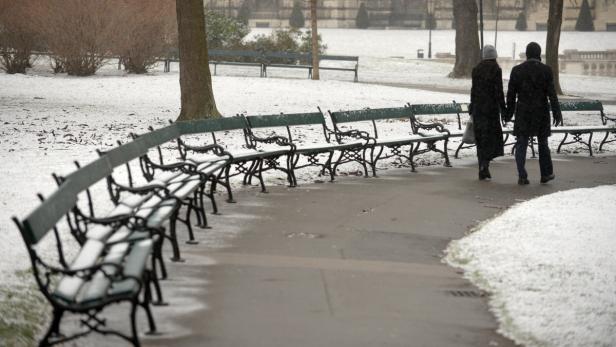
120, 257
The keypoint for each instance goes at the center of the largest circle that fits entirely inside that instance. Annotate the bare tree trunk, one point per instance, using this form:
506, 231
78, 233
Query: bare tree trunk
195, 79
467, 38
315, 40
555, 19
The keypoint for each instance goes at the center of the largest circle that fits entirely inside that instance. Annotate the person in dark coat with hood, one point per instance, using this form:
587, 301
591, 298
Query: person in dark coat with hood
531, 86
487, 105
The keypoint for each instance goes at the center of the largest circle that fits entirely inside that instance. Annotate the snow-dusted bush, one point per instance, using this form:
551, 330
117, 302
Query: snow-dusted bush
81, 34
149, 36
281, 40
17, 36
224, 32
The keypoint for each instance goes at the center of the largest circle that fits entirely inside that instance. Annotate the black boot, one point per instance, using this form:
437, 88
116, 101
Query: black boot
484, 171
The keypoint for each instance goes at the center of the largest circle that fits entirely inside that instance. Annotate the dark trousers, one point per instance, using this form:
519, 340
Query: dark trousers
545, 160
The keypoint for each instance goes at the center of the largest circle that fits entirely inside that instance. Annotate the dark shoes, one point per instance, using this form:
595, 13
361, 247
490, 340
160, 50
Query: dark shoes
546, 179
484, 174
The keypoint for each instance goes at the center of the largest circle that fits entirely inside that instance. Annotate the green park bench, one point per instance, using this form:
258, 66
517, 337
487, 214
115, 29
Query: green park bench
290, 60
419, 133
310, 152
249, 161
106, 269
185, 180
577, 131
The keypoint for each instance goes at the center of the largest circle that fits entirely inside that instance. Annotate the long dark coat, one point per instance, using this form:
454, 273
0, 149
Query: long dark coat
533, 85
487, 102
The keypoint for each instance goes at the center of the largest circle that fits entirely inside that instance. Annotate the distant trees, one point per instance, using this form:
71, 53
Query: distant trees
17, 36
520, 23
362, 20
467, 39
297, 19
585, 21
555, 18
80, 34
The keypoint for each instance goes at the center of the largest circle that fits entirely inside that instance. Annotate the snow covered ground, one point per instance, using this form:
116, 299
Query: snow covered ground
405, 43
48, 121
389, 56
550, 266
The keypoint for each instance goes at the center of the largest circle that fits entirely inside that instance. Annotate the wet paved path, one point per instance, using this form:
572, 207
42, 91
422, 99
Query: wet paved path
353, 263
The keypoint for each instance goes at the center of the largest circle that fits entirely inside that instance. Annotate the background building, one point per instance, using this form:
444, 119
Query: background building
413, 13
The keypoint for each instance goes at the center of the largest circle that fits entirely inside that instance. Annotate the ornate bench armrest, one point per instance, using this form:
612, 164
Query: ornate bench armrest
182, 166
85, 271
354, 134
431, 126
213, 148
278, 140
144, 189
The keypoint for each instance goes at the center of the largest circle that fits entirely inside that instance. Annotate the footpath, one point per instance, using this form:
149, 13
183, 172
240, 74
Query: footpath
351, 263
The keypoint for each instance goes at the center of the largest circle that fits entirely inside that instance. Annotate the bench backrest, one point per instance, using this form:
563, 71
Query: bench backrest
287, 121
212, 125
283, 120
271, 55
372, 115
160, 136
586, 105
583, 105
438, 109
49, 212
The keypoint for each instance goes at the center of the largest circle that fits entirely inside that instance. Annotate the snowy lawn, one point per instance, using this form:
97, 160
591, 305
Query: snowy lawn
550, 266
47, 122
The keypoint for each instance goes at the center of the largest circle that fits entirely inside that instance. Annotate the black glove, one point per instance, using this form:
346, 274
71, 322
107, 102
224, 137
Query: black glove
557, 119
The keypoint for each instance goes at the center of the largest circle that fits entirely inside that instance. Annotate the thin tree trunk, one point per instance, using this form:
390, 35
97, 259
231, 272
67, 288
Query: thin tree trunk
315, 40
555, 19
195, 79
467, 38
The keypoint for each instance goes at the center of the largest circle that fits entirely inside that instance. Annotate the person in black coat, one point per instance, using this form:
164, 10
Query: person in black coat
487, 104
531, 85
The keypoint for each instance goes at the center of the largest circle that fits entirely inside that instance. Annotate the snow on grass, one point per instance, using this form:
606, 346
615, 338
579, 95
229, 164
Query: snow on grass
405, 43
48, 122
550, 265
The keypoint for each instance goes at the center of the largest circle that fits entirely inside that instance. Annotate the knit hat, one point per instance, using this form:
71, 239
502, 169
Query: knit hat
489, 52
533, 51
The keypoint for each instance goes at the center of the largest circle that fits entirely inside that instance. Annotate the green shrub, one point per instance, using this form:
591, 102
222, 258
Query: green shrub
297, 19
362, 21
281, 40
584, 21
224, 32
306, 43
